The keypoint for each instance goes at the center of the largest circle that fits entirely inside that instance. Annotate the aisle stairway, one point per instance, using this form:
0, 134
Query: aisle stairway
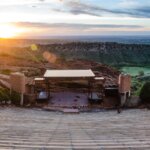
43, 130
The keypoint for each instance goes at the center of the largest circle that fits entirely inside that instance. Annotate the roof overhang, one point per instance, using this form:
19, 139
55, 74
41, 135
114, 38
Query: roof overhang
69, 74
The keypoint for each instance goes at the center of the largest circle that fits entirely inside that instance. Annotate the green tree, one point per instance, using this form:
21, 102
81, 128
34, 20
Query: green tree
141, 73
15, 98
4, 95
145, 93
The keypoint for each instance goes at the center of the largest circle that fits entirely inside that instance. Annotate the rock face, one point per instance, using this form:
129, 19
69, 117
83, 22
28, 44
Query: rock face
110, 74
107, 53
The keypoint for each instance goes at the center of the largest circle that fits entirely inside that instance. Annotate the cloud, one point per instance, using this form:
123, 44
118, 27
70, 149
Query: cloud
37, 29
132, 8
71, 25
16, 2
77, 8
129, 4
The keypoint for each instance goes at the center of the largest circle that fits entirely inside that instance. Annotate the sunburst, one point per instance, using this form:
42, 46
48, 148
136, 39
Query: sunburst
9, 31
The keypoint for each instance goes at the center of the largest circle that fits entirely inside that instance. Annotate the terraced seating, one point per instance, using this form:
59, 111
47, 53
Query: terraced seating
37, 129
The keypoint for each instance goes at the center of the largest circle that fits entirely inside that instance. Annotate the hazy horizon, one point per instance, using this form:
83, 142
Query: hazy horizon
67, 39
77, 36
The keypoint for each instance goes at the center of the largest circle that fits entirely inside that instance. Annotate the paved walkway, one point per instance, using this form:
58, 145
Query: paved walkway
43, 130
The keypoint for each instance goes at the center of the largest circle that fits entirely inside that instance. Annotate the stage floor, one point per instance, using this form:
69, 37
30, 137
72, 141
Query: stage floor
68, 99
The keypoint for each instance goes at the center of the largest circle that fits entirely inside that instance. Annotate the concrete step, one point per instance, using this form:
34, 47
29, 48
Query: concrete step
25, 129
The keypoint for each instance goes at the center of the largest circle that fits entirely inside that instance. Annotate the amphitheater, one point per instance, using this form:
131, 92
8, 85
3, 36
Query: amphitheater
37, 129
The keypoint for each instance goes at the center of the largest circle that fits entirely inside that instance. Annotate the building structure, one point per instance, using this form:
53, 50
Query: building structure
84, 79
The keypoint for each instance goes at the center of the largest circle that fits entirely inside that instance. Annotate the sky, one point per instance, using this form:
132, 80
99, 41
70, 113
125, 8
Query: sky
43, 18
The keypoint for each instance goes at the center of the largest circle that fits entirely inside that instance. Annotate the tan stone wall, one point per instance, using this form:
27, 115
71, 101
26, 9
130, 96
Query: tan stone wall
17, 81
124, 83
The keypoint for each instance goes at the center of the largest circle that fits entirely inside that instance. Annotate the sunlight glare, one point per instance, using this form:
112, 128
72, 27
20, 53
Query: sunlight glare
9, 31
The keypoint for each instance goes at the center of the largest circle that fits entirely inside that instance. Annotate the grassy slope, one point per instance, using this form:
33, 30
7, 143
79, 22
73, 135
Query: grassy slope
135, 70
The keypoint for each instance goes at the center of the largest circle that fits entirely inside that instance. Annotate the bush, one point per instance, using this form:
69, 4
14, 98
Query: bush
15, 98
141, 73
145, 93
4, 95
6, 72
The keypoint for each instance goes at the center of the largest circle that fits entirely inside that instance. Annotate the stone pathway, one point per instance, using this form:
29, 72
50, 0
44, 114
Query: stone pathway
26, 129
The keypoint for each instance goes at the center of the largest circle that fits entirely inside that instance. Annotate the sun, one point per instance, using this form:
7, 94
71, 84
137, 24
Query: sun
8, 31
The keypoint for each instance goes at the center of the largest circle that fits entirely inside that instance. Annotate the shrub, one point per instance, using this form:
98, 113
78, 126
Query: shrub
141, 73
15, 98
145, 93
6, 71
4, 95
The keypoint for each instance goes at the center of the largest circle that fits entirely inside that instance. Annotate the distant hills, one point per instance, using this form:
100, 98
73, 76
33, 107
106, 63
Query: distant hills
111, 53
108, 53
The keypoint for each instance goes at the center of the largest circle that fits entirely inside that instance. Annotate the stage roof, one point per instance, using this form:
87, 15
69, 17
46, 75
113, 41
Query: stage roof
69, 74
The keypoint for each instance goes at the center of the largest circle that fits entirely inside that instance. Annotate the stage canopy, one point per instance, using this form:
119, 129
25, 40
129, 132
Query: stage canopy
69, 74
